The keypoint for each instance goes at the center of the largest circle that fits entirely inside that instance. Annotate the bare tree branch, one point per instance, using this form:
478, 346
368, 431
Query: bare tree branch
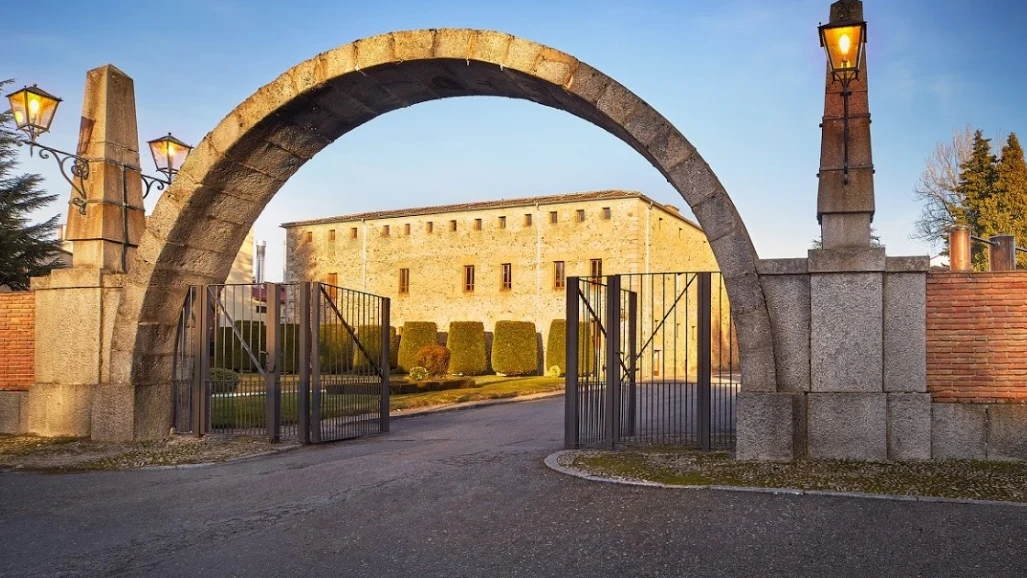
937, 188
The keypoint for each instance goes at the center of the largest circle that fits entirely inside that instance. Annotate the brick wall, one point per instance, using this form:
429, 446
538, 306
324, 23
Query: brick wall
17, 340
977, 337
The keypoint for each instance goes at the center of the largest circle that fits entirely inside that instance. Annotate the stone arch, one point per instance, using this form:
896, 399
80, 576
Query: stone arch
200, 222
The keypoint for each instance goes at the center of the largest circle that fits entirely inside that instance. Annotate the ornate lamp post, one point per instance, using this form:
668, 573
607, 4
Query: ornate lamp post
843, 41
34, 110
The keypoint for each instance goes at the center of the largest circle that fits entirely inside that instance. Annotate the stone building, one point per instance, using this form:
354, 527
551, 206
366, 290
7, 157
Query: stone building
495, 260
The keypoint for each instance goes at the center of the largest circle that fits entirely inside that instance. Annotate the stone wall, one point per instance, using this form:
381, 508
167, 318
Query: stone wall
639, 236
977, 337
17, 340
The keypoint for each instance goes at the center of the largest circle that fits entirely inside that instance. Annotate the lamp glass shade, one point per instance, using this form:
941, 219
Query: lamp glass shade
33, 110
844, 42
169, 153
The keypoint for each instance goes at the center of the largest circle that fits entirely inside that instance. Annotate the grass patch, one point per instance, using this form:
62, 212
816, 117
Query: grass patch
486, 387
964, 479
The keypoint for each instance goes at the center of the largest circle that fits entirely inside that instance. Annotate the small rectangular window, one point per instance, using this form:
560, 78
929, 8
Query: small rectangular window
527, 219
430, 226
606, 213
597, 267
353, 233
385, 230
331, 234
452, 225
406, 229
404, 281
581, 215
310, 236
553, 217
507, 276
333, 286
477, 224
502, 222
468, 278
559, 279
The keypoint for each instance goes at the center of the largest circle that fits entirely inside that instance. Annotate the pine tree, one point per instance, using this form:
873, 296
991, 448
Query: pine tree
976, 188
1006, 213
26, 249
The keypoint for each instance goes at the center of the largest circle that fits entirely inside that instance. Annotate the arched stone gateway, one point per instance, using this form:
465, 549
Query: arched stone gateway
200, 222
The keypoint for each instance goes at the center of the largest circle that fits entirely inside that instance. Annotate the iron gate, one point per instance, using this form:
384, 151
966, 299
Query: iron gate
296, 361
650, 360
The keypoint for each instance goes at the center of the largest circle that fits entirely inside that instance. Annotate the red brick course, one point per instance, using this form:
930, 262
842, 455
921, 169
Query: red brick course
17, 340
977, 337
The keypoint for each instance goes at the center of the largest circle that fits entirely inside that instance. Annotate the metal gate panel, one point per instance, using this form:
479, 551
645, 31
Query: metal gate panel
650, 360
257, 360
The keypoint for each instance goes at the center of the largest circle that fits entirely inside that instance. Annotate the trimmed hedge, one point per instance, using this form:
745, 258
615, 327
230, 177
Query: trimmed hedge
434, 358
398, 387
223, 380
515, 349
556, 346
335, 349
466, 345
230, 354
370, 336
416, 334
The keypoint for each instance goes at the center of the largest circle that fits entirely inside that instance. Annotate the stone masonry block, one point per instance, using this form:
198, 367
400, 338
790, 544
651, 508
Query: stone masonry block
588, 83
788, 302
717, 215
765, 423
848, 426
57, 409
338, 61
13, 412
489, 46
453, 43
905, 332
1007, 432
758, 370
374, 50
522, 54
959, 431
617, 102
735, 253
909, 426
847, 260
694, 180
414, 44
846, 332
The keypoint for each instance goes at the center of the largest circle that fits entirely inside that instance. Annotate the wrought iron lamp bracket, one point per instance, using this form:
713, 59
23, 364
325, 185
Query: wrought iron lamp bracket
73, 168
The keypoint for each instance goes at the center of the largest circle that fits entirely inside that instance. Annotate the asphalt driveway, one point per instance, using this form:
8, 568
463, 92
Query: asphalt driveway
466, 494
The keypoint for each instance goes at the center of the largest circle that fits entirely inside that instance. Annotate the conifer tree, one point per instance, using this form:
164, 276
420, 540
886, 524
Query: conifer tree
976, 189
1006, 214
27, 249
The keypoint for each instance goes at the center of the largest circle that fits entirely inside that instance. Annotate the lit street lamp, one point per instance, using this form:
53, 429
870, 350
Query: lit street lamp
844, 42
34, 110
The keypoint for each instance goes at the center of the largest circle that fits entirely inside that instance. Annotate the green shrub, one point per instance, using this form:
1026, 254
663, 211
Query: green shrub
335, 349
466, 345
418, 374
223, 380
434, 358
554, 371
229, 352
416, 334
422, 386
370, 337
556, 346
515, 348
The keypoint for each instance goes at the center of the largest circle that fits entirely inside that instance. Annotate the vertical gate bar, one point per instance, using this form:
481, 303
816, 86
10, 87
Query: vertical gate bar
315, 366
613, 360
200, 364
570, 399
386, 311
704, 329
632, 368
306, 345
272, 388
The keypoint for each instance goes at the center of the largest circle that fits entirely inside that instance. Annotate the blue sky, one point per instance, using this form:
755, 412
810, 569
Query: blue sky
741, 79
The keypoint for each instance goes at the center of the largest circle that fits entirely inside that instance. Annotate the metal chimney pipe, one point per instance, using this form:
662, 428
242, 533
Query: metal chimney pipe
1002, 253
261, 252
959, 248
